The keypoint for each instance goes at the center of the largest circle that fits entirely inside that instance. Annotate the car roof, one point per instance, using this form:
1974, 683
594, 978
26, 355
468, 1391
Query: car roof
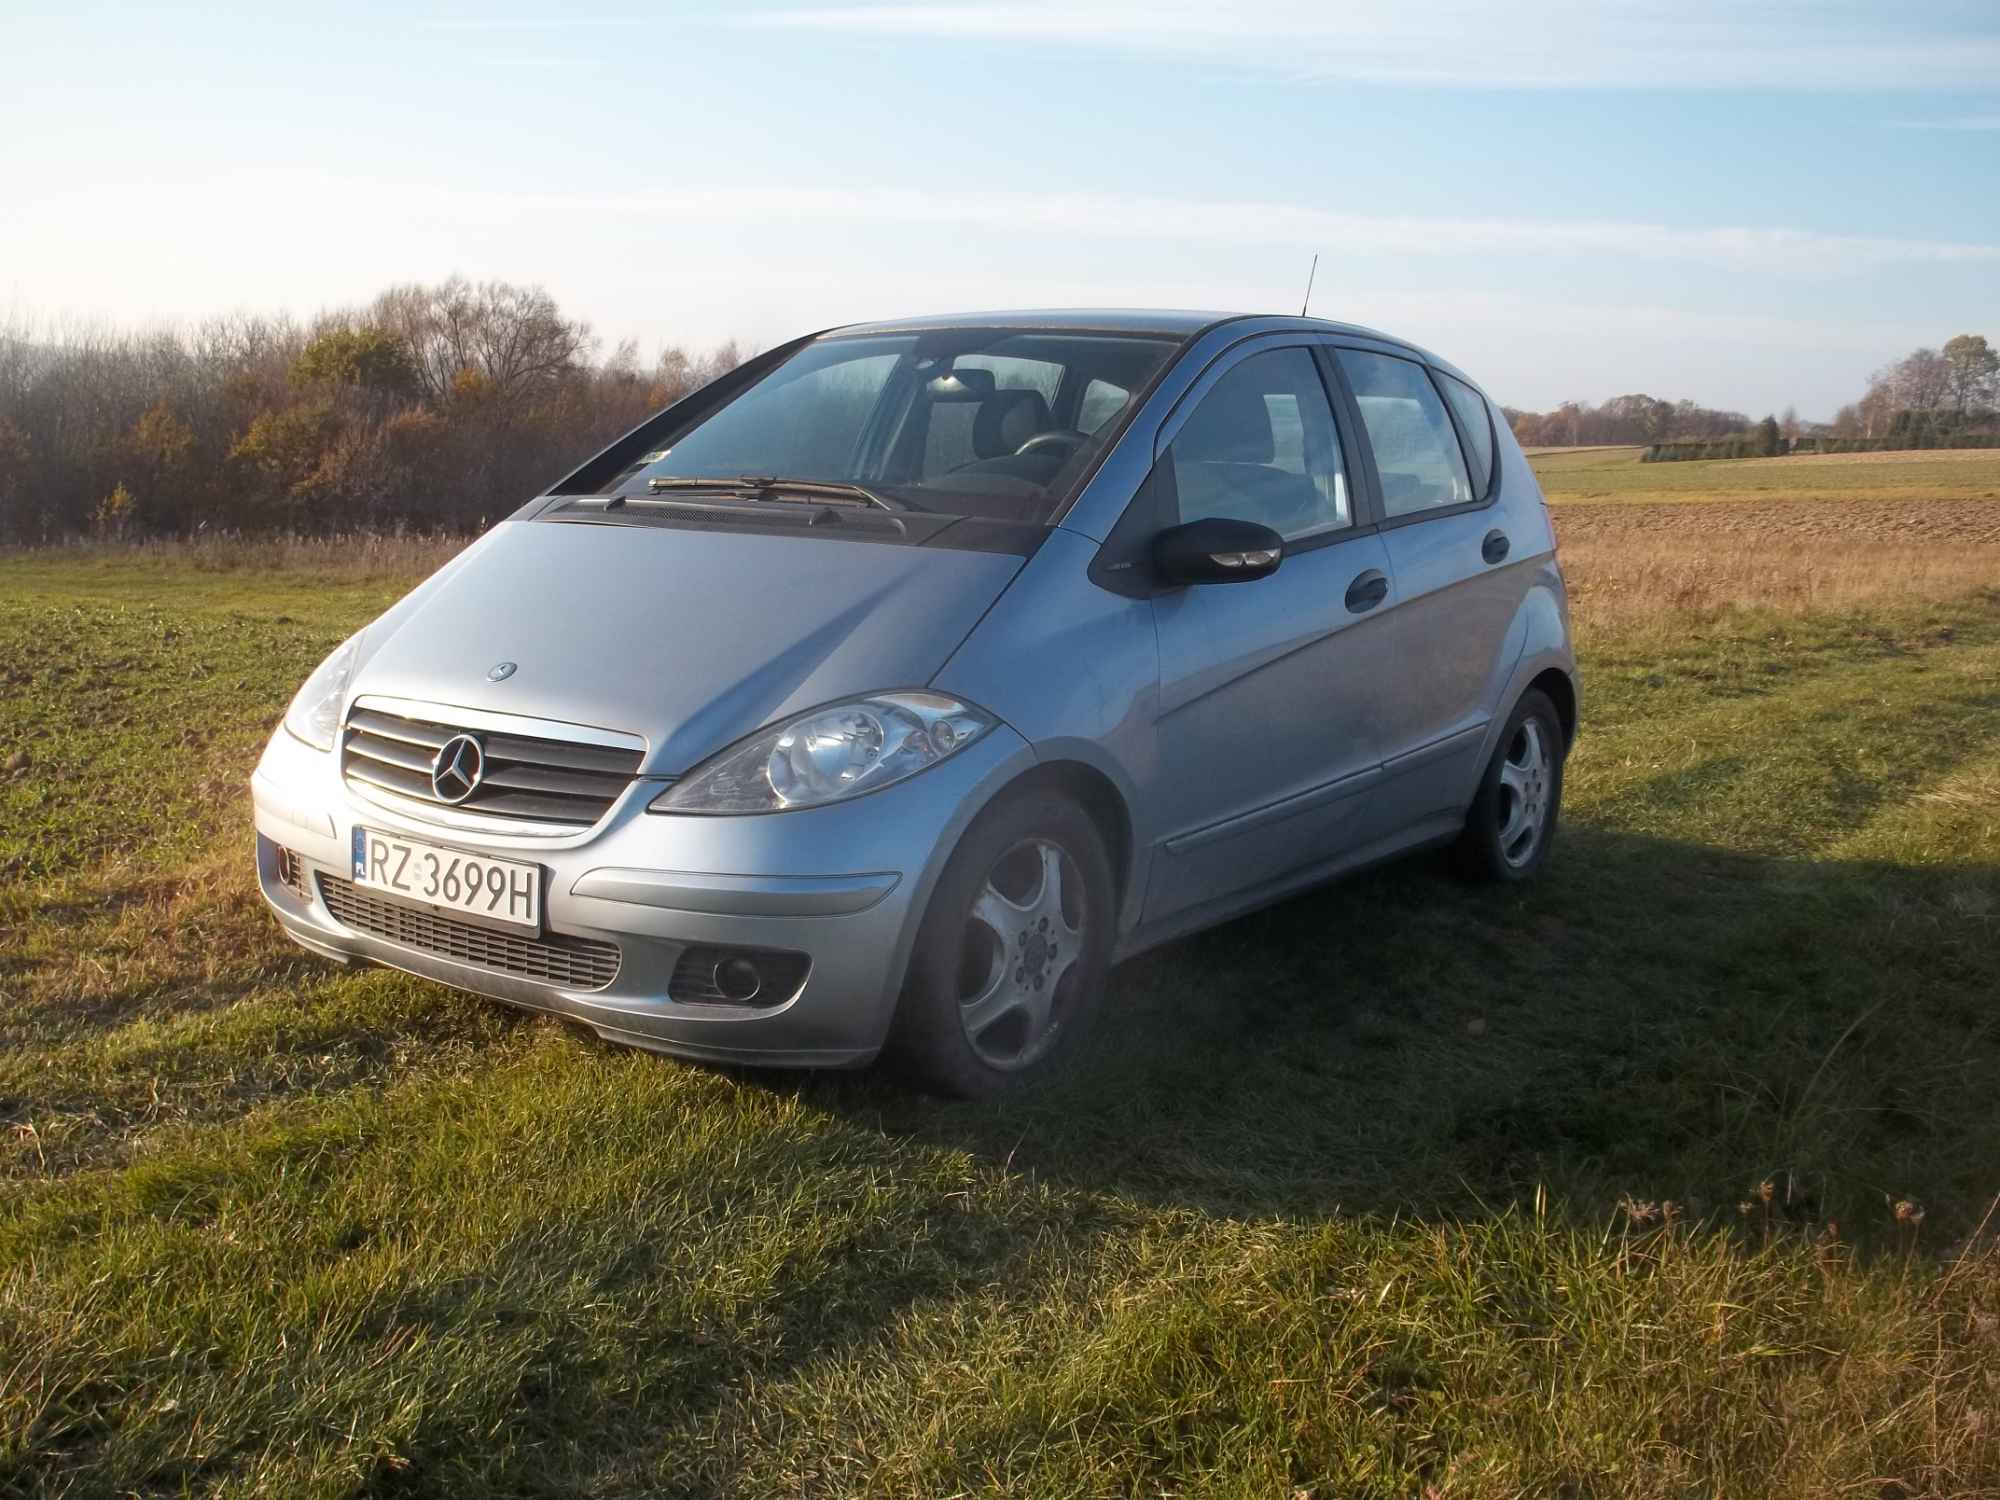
1179, 323
1183, 325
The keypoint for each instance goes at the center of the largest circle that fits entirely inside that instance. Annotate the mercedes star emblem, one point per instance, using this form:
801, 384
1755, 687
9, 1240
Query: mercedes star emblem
456, 768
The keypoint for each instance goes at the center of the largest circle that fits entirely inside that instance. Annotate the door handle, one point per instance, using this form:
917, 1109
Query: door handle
1367, 591
1494, 547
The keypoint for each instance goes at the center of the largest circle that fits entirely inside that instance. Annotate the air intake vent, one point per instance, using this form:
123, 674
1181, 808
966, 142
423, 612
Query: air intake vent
528, 779
569, 963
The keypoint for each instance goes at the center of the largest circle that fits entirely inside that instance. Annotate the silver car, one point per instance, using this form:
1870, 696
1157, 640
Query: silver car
887, 691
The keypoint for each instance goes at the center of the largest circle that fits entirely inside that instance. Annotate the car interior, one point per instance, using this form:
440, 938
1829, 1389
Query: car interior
1261, 447
1005, 431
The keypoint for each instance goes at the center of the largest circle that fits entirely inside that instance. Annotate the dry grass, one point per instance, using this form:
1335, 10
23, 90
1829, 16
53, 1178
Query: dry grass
1661, 585
345, 556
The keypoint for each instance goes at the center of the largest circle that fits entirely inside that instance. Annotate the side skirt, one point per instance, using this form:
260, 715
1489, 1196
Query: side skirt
1431, 833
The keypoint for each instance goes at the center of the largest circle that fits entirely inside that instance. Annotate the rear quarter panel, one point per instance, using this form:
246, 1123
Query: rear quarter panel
1539, 639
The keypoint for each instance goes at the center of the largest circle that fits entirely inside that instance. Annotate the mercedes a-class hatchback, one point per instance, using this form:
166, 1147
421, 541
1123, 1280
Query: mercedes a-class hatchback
887, 691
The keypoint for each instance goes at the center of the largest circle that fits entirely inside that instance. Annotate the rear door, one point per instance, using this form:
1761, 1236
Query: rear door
1458, 589
1271, 691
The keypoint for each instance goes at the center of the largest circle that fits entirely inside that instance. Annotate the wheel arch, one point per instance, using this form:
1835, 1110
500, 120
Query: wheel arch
1098, 795
1560, 689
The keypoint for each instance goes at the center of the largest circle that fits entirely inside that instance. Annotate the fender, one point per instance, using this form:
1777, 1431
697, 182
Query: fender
1542, 625
1099, 709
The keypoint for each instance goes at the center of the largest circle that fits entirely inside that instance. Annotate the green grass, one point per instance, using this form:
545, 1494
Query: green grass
1615, 474
1400, 1188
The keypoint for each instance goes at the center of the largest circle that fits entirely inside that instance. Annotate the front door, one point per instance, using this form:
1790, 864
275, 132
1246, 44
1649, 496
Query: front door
1271, 691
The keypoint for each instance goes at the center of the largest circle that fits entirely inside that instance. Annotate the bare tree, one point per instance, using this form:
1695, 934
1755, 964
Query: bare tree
254, 422
503, 338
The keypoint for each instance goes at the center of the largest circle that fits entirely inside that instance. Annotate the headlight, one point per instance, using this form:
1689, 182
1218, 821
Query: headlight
842, 750
315, 712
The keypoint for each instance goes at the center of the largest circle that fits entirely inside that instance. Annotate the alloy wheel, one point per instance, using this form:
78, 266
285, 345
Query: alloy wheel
1023, 938
1527, 775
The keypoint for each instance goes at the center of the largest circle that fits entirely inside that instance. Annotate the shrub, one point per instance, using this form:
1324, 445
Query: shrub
115, 511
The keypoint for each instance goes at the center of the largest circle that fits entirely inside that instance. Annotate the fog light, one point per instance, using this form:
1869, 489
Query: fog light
292, 873
738, 979
707, 974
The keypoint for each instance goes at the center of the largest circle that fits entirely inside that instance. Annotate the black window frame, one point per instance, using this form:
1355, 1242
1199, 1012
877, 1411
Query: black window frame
1331, 368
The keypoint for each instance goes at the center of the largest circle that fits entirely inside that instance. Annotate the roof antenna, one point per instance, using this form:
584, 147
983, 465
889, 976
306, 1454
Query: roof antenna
1309, 286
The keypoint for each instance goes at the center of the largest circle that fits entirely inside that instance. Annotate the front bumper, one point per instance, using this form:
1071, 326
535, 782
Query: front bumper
844, 885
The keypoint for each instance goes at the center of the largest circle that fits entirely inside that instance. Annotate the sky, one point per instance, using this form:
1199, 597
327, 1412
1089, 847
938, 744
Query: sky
1752, 206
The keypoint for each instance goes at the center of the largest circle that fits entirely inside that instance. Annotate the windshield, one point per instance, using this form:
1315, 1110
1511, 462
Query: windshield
962, 422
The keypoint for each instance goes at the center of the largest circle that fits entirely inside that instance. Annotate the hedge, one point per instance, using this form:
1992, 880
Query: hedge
1750, 447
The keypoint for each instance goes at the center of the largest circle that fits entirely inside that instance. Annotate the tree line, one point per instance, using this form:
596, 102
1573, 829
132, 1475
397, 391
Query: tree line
1929, 398
435, 407
1621, 420
440, 407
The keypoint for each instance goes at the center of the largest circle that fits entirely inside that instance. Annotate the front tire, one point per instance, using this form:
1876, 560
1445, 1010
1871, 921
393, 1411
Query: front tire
1009, 964
1513, 818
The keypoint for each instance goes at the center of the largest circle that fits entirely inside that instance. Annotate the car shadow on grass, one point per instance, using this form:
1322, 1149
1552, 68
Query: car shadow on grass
1651, 1021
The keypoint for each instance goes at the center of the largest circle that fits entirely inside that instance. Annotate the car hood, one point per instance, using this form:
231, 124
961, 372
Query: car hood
690, 638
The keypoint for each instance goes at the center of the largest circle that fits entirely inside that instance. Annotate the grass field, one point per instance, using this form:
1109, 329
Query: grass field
1616, 475
1670, 1175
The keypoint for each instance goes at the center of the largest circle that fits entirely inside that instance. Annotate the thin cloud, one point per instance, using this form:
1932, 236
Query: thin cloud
534, 23
1470, 43
1151, 220
528, 60
1963, 122
1253, 222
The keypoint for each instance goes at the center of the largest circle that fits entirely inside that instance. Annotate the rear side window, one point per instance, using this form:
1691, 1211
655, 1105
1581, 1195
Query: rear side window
1261, 446
1416, 452
1475, 423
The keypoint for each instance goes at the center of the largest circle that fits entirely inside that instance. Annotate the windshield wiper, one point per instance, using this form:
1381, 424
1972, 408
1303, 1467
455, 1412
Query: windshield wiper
775, 487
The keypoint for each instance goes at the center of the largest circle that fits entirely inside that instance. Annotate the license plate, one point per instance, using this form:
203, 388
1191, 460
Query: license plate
473, 885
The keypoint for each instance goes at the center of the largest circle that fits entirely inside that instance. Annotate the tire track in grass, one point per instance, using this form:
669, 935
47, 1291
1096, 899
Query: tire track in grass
1798, 769
1841, 1031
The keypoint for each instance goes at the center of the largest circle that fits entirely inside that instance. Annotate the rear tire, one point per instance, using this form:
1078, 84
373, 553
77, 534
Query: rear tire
1513, 818
1009, 963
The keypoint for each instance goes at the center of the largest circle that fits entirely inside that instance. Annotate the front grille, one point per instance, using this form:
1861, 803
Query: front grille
569, 962
538, 780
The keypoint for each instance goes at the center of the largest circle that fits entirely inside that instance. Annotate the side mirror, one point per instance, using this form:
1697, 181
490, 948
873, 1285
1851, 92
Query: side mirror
1217, 550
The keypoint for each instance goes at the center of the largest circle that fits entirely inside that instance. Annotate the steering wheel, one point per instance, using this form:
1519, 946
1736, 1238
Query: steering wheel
1068, 439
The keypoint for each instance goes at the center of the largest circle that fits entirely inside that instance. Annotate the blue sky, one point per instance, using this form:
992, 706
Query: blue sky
1748, 205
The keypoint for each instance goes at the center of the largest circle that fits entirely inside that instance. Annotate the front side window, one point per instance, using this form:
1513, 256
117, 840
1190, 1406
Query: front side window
994, 423
1261, 446
1416, 452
